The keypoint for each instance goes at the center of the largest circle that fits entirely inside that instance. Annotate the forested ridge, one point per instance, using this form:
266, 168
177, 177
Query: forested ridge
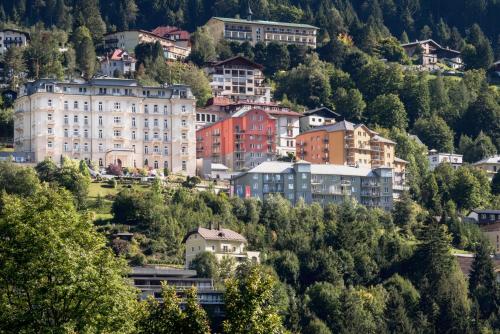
443, 20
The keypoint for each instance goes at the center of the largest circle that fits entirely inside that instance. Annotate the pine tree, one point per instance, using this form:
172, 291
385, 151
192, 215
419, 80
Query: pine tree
482, 281
85, 52
404, 37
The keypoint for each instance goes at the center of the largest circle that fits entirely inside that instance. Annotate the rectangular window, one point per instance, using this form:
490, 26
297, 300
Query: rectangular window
75, 105
85, 106
49, 117
49, 103
50, 144
133, 107
99, 106
184, 165
75, 119
66, 106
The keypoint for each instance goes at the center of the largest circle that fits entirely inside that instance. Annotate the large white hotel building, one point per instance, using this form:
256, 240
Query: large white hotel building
107, 121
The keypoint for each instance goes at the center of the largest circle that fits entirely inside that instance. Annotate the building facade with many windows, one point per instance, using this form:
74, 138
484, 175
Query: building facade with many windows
238, 78
107, 121
317, 183
12, 37
255, 31
240, 142
355, 145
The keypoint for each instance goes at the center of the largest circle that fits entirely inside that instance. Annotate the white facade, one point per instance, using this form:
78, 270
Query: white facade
107, 121
119, 61
221, 242
436, 158
238, 79
12, 37
287, 128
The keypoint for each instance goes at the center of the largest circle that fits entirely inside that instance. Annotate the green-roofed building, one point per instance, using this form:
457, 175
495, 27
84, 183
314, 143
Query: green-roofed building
254, 31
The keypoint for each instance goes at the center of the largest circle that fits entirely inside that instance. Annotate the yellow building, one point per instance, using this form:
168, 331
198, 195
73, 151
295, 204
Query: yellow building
346, 143
221, 242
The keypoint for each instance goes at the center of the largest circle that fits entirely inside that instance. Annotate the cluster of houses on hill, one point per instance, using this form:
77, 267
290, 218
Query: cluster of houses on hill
241, 134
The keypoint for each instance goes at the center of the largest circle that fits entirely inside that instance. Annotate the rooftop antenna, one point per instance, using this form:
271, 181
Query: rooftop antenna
249, 12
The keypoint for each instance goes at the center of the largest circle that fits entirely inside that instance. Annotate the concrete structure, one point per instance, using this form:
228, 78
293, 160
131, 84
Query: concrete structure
107, 121
430, 53
488, 221
317, 117
214, 171
12, 37
238, 78
241, 141
317, 183
178, 36
436, 158
221, 242
129, 39
148, 281
255, 31
490, 165
118, 61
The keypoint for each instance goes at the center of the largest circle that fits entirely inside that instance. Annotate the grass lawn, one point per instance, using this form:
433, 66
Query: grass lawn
102, 188
459, 251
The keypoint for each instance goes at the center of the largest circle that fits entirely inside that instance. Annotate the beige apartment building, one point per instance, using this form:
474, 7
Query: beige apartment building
12, 37
107, 121
221, 242
254, 31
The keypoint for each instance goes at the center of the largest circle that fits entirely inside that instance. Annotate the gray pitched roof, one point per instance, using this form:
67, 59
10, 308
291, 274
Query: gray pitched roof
283, 24
216, 234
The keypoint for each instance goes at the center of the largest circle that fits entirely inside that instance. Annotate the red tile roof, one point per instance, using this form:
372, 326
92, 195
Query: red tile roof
166, 31
118, 54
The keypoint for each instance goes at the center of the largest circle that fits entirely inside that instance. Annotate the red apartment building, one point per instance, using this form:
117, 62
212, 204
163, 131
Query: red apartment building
240, 142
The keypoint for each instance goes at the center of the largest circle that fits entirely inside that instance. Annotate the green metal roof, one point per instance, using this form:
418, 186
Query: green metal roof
282, 24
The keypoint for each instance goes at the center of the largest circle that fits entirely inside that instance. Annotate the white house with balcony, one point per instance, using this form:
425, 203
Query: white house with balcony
221, 242
436, 158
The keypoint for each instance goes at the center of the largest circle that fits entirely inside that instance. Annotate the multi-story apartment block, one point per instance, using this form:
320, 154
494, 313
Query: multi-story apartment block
436, 158
345, 143
287, 121
255, 31
178, 36
222, 242
490, 165
317, 183
317, 117
238, 78
107, 121
241, 141
129, 39
12, 37
117, 62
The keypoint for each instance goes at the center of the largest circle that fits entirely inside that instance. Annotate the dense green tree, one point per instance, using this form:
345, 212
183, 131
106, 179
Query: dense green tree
85, 52
415, 96
483, 286
205, 265
277, 58
390, 49
477, 54
192, 76
482, 115
203, 47
349, 103
18, 180
14, 65
495, 184
388, 111
42, 56
467, 190
87, 14
482, 147
435, 133
248, 304
57, 273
